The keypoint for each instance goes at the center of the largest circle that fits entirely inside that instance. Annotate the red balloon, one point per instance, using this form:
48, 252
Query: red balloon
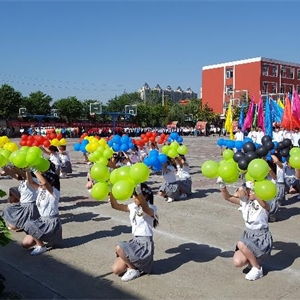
35, 143
29, 142
24, 137
52, 136
148, 134
22, 143
152, 139
46, 143
143, 136
59, 136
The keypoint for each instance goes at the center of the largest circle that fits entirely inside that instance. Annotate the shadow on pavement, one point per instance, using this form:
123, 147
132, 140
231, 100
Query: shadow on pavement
43, 277
186, 253
82, 217
285, 213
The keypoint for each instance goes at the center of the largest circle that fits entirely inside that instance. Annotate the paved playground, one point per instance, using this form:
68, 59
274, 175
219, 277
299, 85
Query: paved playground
193, 246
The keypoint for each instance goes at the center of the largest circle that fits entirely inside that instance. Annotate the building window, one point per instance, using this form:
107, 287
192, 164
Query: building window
265, 70
292, 73
265, 87
229, 73
274, 87
298, 89
282, 89
229, 89
275, 71
298, 75
290, 90
283, 71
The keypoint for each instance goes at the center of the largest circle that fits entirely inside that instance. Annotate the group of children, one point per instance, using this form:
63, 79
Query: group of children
34, 210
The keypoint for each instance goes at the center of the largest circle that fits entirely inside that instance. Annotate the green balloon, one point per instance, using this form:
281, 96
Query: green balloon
139, 172
38, 151
294, 151
20, 160
97, 154
3, 161
174, 145
294, 160
42, 165
258, 169
248, 177
123, 189
113, 176
32, 157
103, 161
100, 191
265, 190
100, 172
123, 173
165, 149
6, 153
24, 148
210, 169
172, 153
227, 171
108, 153
183, 150
228, 154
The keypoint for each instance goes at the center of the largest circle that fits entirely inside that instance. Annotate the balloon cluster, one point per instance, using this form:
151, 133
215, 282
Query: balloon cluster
248, 158
151, 136
175, 137
6, 148
155, 160
122, 181
118, 143
39, 140
174, 149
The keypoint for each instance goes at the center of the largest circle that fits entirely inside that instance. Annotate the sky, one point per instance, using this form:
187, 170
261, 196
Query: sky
101, 49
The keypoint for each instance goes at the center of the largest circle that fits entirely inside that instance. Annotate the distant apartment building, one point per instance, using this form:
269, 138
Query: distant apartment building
173, 95
225, 82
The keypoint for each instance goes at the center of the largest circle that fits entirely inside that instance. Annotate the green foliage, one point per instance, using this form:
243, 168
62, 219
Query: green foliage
10, 101
118, 103
37, 103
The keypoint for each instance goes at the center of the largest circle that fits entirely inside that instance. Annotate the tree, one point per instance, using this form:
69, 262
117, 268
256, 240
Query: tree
118, 103
69, 109
10, 101
37, 103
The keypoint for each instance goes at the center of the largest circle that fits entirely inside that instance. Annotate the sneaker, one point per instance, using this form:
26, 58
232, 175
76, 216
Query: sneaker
183, 196
130, 275
62, 175
272, 218
240, 209
38, 250
169, 200
254, 274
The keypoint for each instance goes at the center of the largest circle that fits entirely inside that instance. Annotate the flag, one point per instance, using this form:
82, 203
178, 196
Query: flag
241, 118
254, 123
280, 103
228, 121
296, 105
260, 114
289, 122
249, 116
268, 127
277, 112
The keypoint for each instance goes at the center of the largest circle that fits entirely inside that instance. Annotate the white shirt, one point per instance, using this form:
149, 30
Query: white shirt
280, 173
27, 193
259, 136
183, 172
295, 139
142, 224
54, 158
239, 136
47, 203
277, 136
287, 134
170, 176
64, 157
255, 216
252, 135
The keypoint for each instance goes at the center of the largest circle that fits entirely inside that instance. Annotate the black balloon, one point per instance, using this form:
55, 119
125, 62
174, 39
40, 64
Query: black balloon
249, 156
249, 146
237, 155
287, 143
270, 145
243, 164
262, 151
285, 152
265, 139
280, 146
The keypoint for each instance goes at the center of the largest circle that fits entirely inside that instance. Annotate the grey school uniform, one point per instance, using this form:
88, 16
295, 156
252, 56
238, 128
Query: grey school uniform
18, 214
140, 249
48, 227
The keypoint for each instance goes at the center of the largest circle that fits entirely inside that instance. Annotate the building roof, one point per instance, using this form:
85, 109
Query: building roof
251, 60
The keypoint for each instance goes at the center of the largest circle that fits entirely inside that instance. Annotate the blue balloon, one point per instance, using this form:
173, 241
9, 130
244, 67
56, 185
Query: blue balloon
230, 144
84, 142
170, 140
268, 157
82, 148
239, 145
124, 139
130, 145
110, 143
147, 161
116, 147
180, 139
283, 159
246, 140
162, 158
152, 160
124, 147
174, 135
116, 139
153, 153
157, 166
77, 147
221, 142
275, 145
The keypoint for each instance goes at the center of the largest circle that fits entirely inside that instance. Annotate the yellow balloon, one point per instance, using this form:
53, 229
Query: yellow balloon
102, 142
55, 142
11, 147
63, 142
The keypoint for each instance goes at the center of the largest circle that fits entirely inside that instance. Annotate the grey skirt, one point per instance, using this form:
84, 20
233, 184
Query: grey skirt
18, 214
171, 190
259, 241
140, 251
185, 186
46, 229
280, 196
66, 167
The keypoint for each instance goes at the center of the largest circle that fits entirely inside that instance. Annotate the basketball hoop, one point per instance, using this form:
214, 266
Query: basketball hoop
92, 115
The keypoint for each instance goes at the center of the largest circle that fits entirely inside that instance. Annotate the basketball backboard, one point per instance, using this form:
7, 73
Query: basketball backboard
95, 108
131, 109
22, 111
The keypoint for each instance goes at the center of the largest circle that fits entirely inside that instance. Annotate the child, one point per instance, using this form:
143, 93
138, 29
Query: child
53, 157
136, 256
66, 166
23, 200
257, 239
183, 173
46, 229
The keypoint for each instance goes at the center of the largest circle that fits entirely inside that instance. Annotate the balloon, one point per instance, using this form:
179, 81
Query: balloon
32, 157
20, 160
113, 176
100, 172
165, 149
227, 154
266, 139
103, 161
227, 171
108, 153
237, 155
210, 169
249, 156
294, 151
77, 147
265, 190
42, 165
243, 164
174, 145
46, 143
124, 147
162, 158
239, 145
123, 173
249, 146
220, 142
116, 139
230, 144
182, 150
285, 152
248, 177
100, 191
280, 146
3, 161
287, 143
258, 169
270, 145
295, 161
262, 151
180, 140
11, 147
139, 172
123, 189
38, 151
154, 153
124, 139
116, 147
172, 153
6, 153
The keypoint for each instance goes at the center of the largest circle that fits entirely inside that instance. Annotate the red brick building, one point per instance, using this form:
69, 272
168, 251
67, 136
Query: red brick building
222, 83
